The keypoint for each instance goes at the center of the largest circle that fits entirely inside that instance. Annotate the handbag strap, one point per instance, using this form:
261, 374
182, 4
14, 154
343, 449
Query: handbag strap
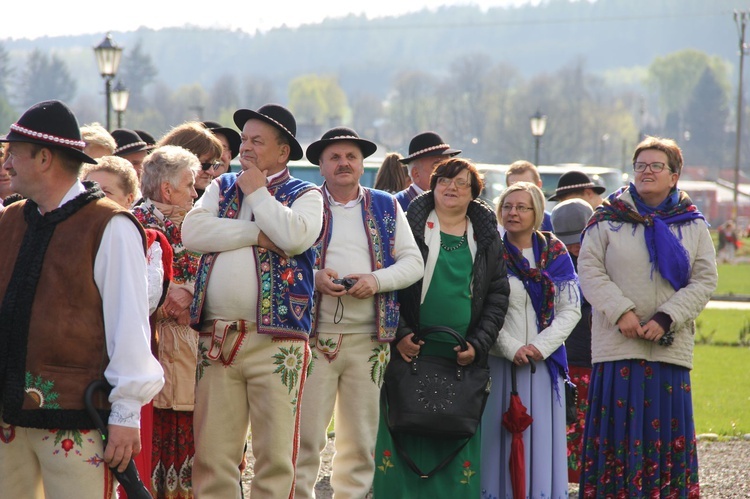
405, 455
423, 333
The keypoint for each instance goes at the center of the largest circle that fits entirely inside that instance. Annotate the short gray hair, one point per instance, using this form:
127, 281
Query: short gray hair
165, 164
537, 199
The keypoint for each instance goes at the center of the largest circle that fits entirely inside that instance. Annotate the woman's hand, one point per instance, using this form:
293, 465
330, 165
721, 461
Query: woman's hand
630, 325
407, 348
177, 303
466, 357
653, 331
525, 353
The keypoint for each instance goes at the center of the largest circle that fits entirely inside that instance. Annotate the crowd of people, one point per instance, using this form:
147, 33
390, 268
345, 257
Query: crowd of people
218, 304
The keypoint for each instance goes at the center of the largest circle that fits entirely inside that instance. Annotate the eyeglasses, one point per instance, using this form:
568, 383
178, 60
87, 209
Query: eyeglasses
520, 208
655, 167
460, 183
215, 165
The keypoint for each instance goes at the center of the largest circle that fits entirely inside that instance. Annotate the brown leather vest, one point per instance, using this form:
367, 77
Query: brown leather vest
66, 347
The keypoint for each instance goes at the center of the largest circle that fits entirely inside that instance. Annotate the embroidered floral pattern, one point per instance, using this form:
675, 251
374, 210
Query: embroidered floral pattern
41, 390
386, 462
467, 473
203, 361
69, 441
381, 354
289, 361
575, 430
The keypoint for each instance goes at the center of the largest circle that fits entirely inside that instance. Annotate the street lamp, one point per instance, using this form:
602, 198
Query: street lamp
538, 125
120, 96
108, 59
740, 19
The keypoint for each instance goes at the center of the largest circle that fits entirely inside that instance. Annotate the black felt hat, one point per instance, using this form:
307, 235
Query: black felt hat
575, 181
337, 134
128, 142
277, 116
428, 144
50, 123
232, 135
147, 138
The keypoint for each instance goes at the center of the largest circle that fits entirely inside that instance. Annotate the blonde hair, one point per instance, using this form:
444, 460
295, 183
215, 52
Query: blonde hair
95, 133
537, 200
118, 166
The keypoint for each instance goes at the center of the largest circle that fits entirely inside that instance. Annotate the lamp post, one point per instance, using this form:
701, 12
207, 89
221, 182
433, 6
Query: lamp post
538, 125
108, 59
120, 96
740, 19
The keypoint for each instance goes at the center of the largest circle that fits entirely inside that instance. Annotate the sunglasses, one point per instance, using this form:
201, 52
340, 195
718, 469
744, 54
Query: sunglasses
214, 165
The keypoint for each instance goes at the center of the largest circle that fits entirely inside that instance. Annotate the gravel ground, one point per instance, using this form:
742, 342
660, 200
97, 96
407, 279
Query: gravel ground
724, 470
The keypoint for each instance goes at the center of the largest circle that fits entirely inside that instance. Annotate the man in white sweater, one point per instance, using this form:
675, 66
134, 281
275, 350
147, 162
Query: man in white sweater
253, 308
366, 253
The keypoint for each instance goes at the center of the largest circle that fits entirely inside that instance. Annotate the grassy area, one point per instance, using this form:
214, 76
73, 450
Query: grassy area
721, 390
733, 279
716, 326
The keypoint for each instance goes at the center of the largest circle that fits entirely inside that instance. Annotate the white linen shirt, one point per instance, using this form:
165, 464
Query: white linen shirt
120, 274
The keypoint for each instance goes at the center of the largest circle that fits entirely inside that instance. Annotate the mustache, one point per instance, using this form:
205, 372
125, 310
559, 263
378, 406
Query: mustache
343, 169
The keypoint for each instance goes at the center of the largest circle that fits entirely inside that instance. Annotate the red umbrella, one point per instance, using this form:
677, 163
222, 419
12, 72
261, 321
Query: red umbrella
516, 420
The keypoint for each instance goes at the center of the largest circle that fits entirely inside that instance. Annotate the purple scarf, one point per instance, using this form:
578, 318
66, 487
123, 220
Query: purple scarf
677, 209
554, 269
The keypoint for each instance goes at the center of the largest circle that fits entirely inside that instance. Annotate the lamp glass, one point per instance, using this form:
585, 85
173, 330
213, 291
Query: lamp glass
108, 56
120, 96
538, 124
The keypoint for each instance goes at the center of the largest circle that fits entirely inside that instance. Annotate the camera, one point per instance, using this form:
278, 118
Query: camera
347, 282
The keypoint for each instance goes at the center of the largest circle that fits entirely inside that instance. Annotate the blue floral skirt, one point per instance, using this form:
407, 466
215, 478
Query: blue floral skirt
639, 438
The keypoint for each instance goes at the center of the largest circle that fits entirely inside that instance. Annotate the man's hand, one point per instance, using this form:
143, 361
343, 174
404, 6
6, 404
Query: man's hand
251, 180
265, 242
365, 287
123, 444
324, 283
630, 326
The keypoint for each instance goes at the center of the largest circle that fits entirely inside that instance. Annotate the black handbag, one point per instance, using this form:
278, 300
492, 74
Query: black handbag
571, 402
433, 396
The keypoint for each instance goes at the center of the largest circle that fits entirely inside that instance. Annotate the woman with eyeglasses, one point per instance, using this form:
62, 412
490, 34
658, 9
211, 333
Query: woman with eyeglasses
647, 265
202, 142
544, 308
465, 288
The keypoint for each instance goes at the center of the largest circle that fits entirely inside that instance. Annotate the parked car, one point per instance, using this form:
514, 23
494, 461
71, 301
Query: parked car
494, 178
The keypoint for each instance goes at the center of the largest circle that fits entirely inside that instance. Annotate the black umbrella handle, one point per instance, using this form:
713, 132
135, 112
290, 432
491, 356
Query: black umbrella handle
513, 383
129, 479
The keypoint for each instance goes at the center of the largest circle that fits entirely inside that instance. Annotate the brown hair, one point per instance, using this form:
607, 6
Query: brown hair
118, 166
451, 167
667, 146
194, 137
391, 175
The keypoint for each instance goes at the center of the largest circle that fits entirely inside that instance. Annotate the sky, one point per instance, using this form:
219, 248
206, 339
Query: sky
78, 17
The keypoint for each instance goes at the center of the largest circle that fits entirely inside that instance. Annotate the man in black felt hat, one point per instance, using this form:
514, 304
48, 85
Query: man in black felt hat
132, 147
367, 253
74, 309
426, 150
253, 307
575, 184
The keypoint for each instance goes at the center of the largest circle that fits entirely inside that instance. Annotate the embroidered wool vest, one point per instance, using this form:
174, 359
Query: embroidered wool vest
379, 219
285, 285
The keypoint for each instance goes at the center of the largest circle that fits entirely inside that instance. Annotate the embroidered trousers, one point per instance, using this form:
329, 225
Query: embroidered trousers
53, 464
344, 382
257, 380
